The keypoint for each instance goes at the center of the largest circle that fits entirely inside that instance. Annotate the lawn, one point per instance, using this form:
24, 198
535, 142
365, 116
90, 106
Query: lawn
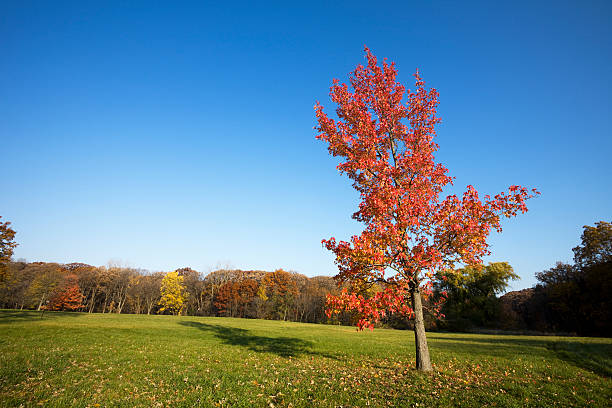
93, 360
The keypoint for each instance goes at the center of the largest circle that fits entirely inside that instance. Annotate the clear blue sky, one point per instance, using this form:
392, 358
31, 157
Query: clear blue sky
171, 135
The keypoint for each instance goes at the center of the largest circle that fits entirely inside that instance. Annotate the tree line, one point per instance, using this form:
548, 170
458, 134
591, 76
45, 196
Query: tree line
278, 295
569, 298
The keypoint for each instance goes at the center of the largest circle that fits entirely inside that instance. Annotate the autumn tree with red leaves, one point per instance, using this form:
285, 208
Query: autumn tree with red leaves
67, 297
233, 298
384, 136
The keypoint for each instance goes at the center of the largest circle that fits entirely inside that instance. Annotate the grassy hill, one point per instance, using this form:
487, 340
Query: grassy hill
92, 360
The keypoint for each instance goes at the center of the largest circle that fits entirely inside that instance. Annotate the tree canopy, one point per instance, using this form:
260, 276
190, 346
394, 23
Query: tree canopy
173, 294
471, 294
384, 136
7, 245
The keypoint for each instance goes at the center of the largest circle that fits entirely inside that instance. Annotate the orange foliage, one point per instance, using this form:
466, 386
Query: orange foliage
67, 297
233, 298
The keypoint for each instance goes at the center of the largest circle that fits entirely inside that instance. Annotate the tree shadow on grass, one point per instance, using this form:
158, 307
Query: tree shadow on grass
282, 346
15, 316
592, 356
595, 357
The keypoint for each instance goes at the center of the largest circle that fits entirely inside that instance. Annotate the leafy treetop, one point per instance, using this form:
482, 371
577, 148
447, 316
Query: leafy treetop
384, 136
7, 235
173, 293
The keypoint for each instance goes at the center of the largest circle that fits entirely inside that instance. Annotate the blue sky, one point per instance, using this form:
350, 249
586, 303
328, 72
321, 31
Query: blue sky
163, 136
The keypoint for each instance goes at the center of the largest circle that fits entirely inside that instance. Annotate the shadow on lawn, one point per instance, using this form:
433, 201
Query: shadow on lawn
282, 346
595, 357
590, 356
14, 316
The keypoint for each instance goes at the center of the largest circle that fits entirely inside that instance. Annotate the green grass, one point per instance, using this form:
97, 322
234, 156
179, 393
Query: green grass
75, 359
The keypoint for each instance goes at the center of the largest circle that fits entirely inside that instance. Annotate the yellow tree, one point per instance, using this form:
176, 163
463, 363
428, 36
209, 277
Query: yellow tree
173, 294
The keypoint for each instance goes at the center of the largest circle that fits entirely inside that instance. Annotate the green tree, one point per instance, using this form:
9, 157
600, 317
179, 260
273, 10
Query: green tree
471, 294
578, 298
596, 246
173, 293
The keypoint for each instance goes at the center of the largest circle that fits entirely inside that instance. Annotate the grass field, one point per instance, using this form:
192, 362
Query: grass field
74, 359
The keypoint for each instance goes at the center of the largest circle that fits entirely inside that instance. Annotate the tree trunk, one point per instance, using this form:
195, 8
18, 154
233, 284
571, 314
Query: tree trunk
422, 351
93, 299
105, 301
122, 297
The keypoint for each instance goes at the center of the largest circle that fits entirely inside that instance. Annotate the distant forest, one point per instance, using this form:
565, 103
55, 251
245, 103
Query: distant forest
233, 293
571, 299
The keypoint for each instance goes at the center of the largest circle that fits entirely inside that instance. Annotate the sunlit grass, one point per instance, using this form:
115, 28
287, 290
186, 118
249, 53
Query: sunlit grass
74, 359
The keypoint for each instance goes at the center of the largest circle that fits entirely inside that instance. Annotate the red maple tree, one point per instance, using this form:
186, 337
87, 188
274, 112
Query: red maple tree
385, 138
68, 296
233, 298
